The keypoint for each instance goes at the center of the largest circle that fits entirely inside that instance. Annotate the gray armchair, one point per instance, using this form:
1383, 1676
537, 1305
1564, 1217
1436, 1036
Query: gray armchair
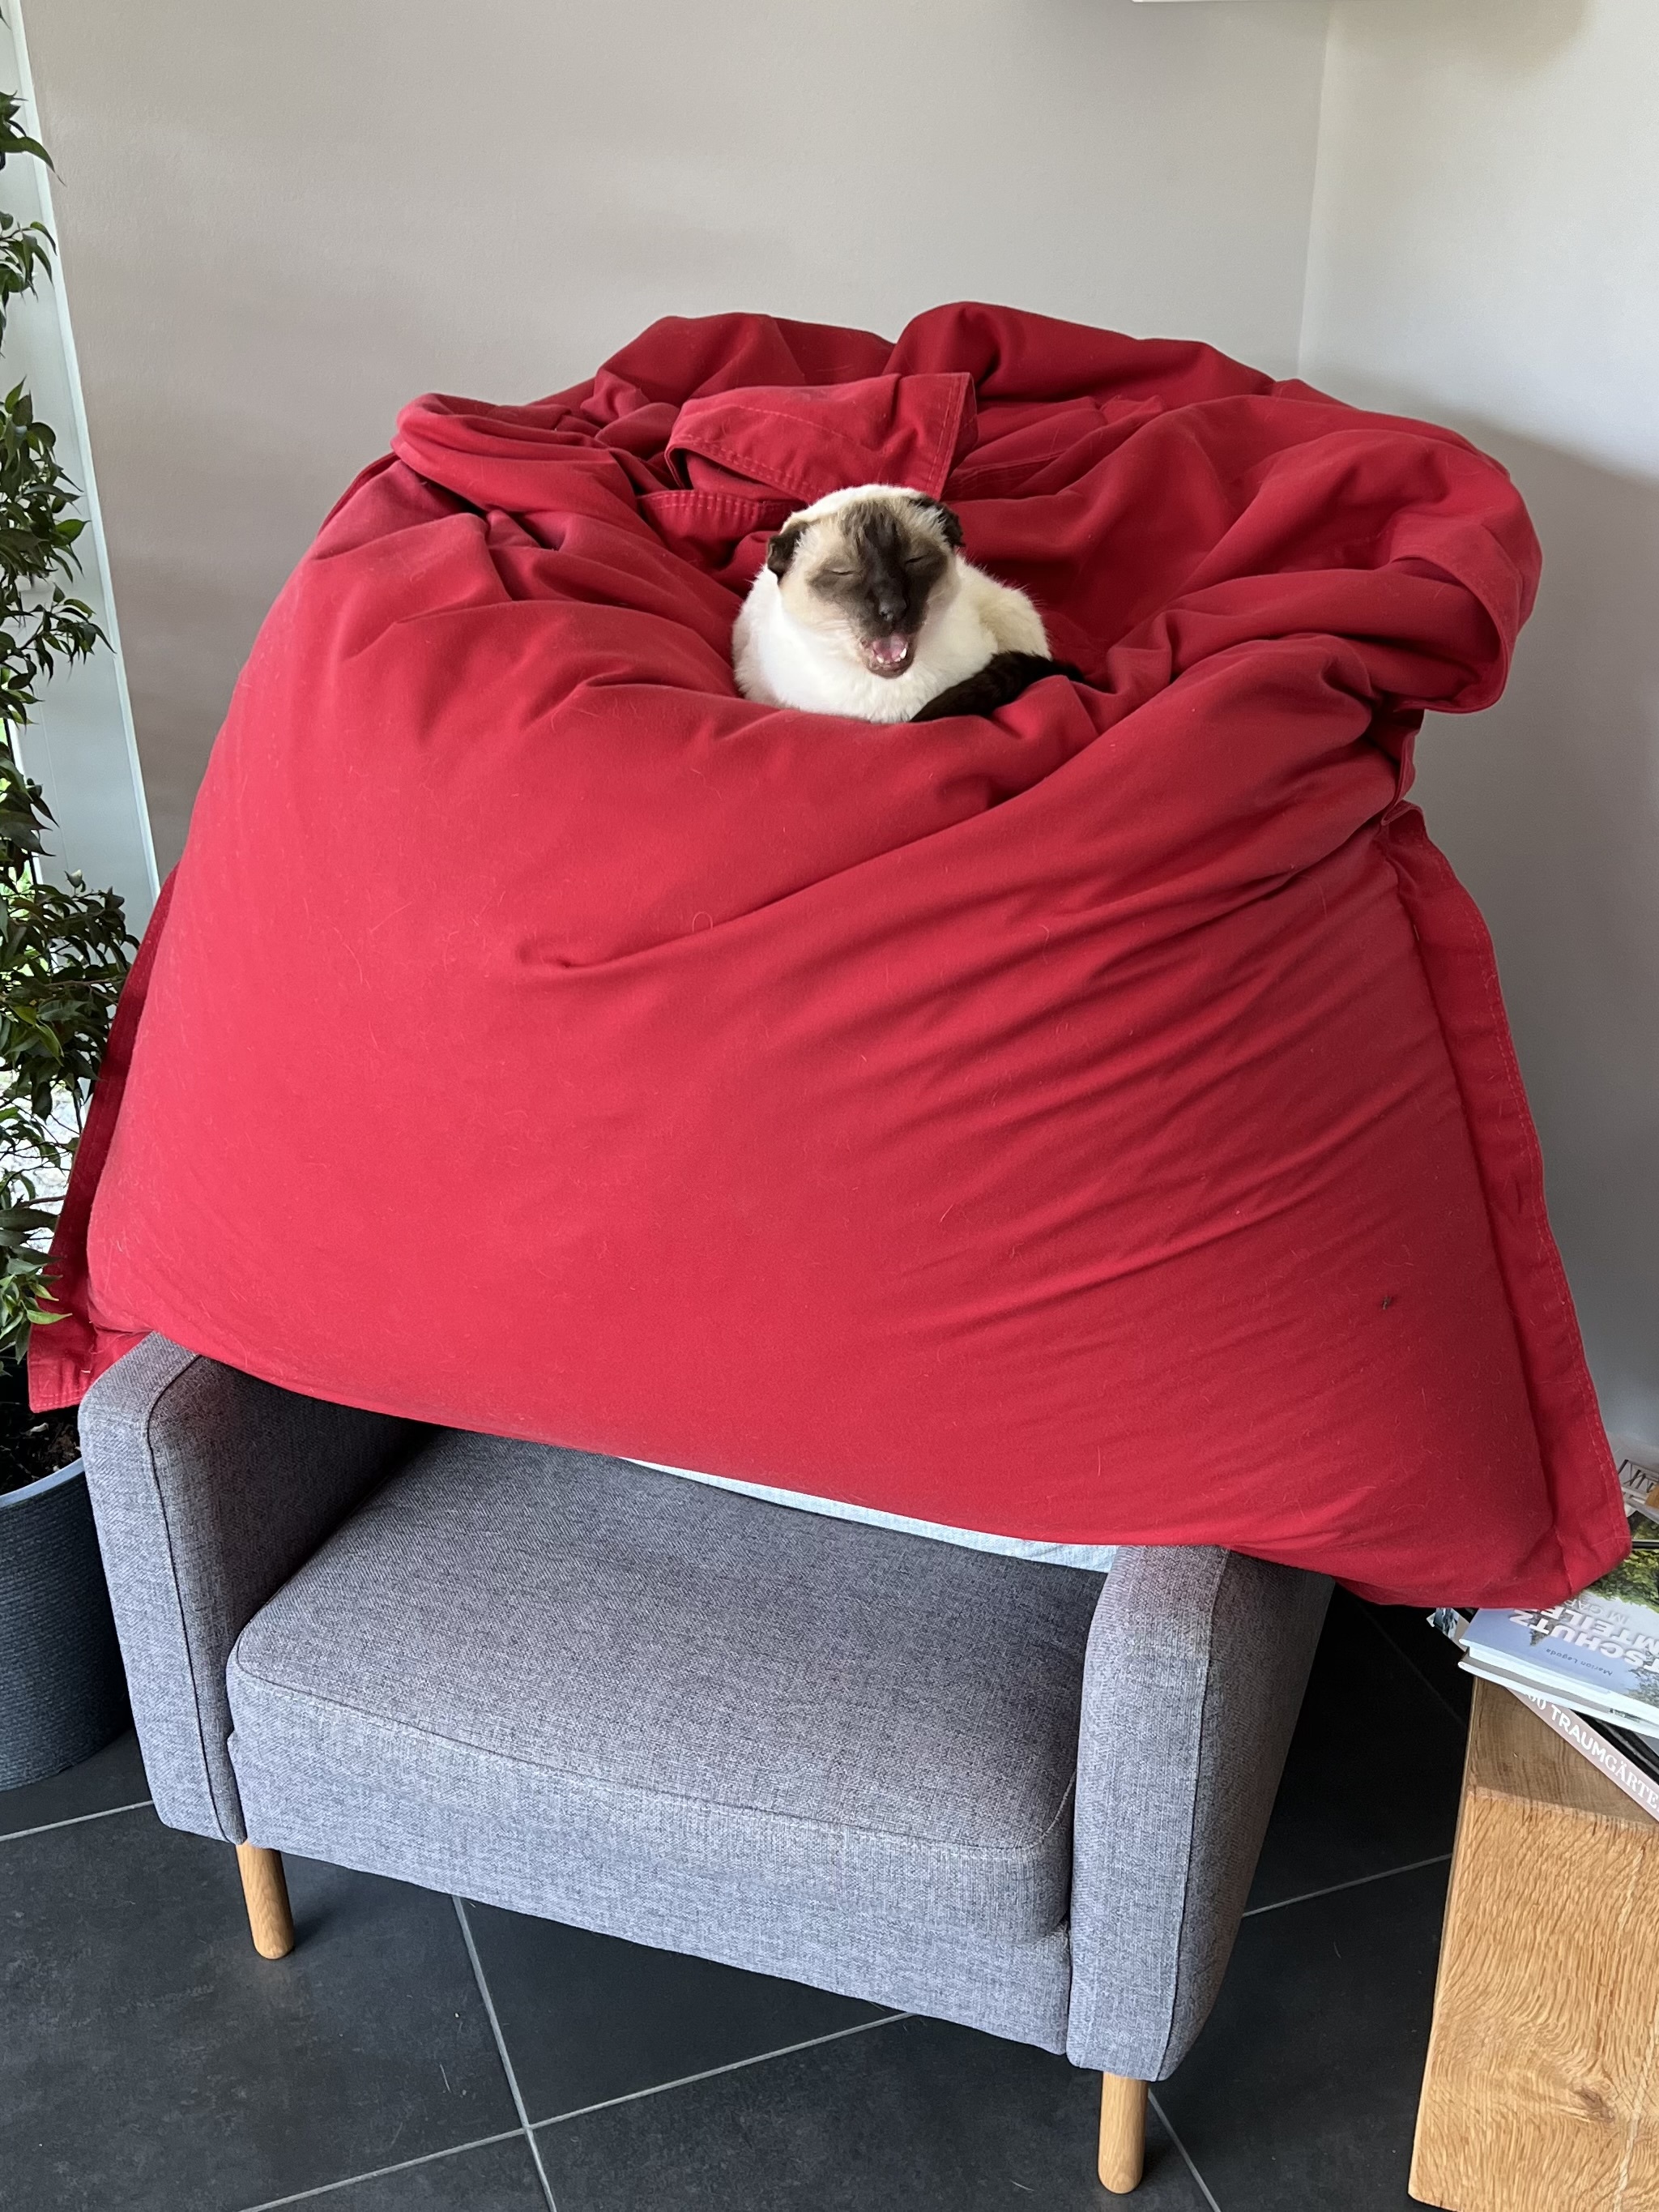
1014, 1795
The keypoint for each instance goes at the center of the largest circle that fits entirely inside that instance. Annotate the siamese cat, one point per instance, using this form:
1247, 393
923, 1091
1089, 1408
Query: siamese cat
866, 607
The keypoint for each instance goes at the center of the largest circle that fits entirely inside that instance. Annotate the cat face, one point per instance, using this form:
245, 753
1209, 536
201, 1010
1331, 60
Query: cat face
864, 574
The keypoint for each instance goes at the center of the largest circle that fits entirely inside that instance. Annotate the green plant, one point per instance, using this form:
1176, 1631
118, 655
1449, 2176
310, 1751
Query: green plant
1635, 1579
64, 949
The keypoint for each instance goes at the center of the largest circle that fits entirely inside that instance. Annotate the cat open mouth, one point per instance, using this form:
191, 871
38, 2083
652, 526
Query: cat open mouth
887, 656
870, 582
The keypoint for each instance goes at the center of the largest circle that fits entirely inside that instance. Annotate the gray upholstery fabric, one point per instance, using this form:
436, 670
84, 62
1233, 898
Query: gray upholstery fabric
1196, 1666
208, 1489
571, 1686
574, 1685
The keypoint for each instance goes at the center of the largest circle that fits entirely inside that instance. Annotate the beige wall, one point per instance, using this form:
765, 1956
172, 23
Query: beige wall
280, 222
1485, 251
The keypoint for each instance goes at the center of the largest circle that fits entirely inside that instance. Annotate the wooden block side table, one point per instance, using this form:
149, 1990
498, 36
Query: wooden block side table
1541, 2091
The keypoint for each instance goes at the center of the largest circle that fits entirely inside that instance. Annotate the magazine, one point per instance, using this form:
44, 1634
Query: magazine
1625, 1756
1630, 1761
1597, 1653
1642, 1751
1628, 1757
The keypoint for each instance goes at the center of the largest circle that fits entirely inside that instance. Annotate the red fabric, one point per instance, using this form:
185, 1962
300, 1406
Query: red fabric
1095, 1123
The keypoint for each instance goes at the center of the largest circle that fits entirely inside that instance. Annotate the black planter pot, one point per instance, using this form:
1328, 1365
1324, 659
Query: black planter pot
62, 1695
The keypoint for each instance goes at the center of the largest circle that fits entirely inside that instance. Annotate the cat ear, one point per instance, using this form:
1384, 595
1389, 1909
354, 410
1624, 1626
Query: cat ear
949, 520
781, 550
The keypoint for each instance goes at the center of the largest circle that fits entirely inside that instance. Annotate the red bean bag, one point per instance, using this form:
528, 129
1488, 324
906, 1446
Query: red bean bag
1094, 1123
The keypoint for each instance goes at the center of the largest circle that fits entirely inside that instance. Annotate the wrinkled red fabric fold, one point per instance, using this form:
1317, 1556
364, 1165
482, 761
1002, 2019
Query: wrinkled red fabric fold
1096, 1122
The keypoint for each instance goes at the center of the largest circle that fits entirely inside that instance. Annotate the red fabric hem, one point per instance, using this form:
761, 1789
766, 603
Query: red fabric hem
1461, 967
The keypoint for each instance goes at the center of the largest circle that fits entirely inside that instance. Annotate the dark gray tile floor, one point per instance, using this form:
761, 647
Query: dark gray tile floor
416, 2055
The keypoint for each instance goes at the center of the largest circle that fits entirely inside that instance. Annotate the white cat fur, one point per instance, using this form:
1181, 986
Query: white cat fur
790, 650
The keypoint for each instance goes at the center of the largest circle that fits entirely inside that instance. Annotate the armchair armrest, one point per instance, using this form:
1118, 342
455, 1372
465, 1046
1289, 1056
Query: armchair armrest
1196, 1665
209, 1489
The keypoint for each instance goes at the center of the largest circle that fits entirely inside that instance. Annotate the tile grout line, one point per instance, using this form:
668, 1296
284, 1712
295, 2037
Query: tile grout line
734, 2066
375, 2172
1204, 2186
502, 2053
1421, 1672
1360, 1881
74, 1820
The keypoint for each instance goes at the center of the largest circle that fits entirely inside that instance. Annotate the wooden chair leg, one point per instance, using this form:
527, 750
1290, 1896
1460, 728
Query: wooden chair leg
266, 1890
1122, 2133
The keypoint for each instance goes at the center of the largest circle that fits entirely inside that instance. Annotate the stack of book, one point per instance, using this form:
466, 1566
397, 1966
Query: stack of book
1589, 1667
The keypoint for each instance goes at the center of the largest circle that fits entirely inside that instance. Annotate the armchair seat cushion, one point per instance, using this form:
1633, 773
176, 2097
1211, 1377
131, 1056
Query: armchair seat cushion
655, 1689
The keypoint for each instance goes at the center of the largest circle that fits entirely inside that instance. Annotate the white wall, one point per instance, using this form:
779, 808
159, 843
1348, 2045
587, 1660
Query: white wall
1485, 251
1486, 224
280, 222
